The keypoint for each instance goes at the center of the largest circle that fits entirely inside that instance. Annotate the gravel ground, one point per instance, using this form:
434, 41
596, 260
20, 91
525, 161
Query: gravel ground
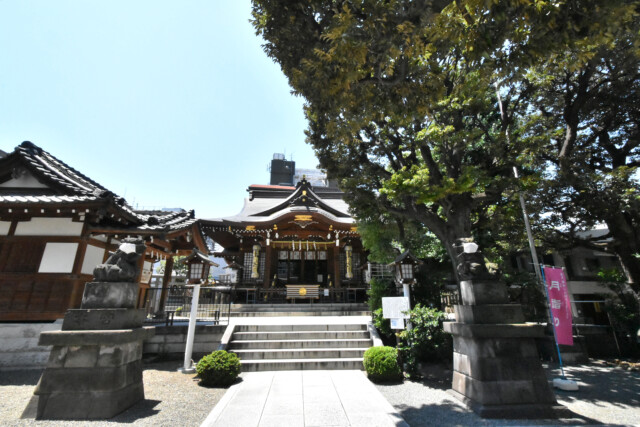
607, 395
172, 399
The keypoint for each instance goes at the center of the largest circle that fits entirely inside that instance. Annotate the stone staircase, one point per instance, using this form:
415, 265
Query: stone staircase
300, 347
314, 309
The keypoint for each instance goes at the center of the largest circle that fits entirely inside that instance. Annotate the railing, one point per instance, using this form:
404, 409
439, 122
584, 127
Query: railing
214, 304
259, 295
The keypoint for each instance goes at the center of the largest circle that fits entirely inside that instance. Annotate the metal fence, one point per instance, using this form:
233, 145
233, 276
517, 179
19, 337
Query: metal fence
279, 296
214, 304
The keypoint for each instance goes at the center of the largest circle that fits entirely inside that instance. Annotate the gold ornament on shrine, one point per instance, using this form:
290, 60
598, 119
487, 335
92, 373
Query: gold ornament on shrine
256, 259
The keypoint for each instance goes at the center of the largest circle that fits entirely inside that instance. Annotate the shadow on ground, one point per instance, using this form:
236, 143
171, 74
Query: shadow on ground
20, 377
600, 384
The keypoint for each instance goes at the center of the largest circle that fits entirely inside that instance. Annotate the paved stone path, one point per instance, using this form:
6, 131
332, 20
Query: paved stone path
304, 398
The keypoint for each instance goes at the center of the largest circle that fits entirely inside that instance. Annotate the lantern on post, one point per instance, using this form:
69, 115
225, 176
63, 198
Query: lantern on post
405, 269
198, 265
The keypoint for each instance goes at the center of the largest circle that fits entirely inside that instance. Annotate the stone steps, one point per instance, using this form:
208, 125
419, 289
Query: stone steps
300, 347
271, 310
300, 364
316, 343
300, 353
300, 335
299, 313
276, 328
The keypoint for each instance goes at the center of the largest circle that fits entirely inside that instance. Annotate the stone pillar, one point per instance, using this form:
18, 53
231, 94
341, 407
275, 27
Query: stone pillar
94, 369
497, 370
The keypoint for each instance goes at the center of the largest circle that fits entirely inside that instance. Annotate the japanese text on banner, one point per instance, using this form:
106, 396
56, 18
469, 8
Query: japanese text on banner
560, 304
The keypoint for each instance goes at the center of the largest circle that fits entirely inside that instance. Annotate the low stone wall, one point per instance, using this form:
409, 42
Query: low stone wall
170, 341
20, 349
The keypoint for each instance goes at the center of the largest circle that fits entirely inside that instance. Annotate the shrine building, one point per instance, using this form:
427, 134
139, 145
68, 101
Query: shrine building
292, 239
57, 224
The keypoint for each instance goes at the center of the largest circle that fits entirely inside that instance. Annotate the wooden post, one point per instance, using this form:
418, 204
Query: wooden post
268, 260
336, 267
168, 269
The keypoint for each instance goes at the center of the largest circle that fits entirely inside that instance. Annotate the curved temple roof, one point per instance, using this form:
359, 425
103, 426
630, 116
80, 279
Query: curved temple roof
266, 204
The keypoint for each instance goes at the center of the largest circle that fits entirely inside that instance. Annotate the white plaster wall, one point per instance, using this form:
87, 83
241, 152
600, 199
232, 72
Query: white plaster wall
58, 258
92, 257
4, 227
49, 227
20, 347
25, 181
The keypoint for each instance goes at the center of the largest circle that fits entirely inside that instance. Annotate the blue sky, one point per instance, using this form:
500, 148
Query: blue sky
168, 103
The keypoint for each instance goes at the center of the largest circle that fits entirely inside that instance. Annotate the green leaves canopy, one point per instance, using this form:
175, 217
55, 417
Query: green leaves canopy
422, 108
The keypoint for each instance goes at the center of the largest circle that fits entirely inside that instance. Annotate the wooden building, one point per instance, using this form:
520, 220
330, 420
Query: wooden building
291, 235
56, 225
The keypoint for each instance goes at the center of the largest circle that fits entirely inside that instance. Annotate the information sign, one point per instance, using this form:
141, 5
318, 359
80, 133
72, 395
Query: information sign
397, 323
395, 307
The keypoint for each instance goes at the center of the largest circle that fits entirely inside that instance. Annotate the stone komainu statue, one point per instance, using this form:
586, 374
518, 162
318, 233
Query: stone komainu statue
471, 266
122, 265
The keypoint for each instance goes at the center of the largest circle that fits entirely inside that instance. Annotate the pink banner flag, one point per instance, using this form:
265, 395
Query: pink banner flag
560, 304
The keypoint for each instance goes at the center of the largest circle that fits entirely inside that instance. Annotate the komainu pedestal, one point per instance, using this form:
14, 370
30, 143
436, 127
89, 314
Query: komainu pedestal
497, 370
95, 366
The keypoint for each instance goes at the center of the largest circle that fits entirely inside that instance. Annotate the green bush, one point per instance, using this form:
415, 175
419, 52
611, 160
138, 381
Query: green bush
379, 288
426, 341
384, 327
218, 368
381, 364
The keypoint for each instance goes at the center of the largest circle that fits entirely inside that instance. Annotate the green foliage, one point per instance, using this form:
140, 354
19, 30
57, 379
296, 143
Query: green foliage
383, 326
379, 288
381, 364
218, 369
426, 341
623, 309
422, 109
179, 267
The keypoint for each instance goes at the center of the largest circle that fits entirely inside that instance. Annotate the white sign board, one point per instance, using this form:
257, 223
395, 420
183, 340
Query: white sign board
394, 307
397, 323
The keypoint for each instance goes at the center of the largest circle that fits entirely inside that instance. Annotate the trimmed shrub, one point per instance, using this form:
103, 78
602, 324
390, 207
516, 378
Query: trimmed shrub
218, 368
381, 364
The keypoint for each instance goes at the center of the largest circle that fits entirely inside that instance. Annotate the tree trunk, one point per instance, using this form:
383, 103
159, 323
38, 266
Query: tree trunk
626, 243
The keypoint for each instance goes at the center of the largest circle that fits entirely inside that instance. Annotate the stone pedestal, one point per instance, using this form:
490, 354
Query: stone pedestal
497, 370
94, 369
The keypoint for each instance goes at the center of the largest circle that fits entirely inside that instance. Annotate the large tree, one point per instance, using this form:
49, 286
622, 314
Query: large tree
420, 107
588, 116
396, 112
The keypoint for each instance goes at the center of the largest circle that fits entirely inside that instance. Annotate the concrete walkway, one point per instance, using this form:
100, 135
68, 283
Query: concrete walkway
303, 398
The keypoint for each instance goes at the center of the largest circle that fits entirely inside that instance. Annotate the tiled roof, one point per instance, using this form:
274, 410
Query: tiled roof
57, 171
80, 188
47, 199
